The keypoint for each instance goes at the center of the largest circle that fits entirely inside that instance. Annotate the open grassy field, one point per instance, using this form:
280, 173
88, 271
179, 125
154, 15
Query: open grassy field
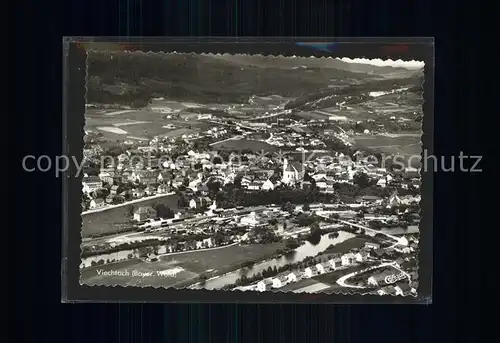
403, 145
192, 264
331, 278
297, 285
108, 221
320, 283
244, 144
349, 244
149, 277
311, 115
137, 124
224, 259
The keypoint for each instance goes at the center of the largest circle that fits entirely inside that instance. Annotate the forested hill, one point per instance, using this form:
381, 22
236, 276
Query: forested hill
133, 79
355, 93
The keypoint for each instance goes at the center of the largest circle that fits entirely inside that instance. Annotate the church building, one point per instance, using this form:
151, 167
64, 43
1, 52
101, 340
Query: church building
293, 172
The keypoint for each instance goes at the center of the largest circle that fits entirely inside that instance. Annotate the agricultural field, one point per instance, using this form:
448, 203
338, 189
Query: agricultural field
138, 125
110, 221
244, 144
223, 259
190, 265
135, 273
402, 144
331, 278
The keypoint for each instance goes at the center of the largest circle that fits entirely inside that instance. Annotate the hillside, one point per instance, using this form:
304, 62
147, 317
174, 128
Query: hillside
308, 62
132, 79
354, 93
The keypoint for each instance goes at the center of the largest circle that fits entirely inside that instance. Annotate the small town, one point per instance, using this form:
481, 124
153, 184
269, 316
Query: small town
275, 200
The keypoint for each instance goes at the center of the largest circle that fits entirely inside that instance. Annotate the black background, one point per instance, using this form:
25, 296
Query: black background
32, 267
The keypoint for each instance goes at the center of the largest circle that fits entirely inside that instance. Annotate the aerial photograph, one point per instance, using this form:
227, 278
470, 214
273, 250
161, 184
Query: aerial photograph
252, 173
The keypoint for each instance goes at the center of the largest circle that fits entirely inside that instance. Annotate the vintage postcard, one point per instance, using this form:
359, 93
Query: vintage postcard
252, 173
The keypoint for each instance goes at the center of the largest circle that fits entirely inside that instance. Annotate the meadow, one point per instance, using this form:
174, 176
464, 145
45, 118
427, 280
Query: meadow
112, 220
244, 144
138, 124
192, 264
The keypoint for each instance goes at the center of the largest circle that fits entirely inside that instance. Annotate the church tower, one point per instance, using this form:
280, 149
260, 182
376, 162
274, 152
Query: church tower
288, 173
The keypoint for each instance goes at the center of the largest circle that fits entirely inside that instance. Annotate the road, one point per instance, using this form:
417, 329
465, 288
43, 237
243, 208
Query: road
233, 125
228, 139
271, 115
341, 281
109, 207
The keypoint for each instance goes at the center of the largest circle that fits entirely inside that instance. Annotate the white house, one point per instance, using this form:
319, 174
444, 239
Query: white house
195, 184
254, 186
149, 190
138, 192
264, 285
192, 203
250, 220
91, 184
362, 256
348, 259
268, 186
163, 177
107, 176
97, 203
394, 200
162, 189
245, 182
381, 292
382, 182
291, 277
279, 282
335, 263
308, 273
402, 289
320, 268
403, 241
372, 281
372, 245
143, 213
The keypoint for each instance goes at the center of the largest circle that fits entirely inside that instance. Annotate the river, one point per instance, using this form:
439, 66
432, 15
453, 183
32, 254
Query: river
299, 254
125, 254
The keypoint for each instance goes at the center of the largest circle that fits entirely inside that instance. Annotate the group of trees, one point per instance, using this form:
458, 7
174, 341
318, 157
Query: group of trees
263, 235
90, 251
163, 211
231, 196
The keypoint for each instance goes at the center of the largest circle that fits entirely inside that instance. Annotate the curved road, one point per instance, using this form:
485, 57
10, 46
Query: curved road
341, 280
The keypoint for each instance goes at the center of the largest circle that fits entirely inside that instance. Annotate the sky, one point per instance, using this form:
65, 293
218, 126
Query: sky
386, 63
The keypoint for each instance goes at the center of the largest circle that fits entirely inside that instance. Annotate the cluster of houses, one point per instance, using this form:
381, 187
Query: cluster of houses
340, 262
150, 175
295, 139
146, 183
387, 282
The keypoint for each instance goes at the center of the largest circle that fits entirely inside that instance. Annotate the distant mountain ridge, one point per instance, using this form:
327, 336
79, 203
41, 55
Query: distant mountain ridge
310, 62
134, 78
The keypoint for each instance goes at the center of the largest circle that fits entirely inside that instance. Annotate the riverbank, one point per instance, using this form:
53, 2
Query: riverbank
210, 262
307, 250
